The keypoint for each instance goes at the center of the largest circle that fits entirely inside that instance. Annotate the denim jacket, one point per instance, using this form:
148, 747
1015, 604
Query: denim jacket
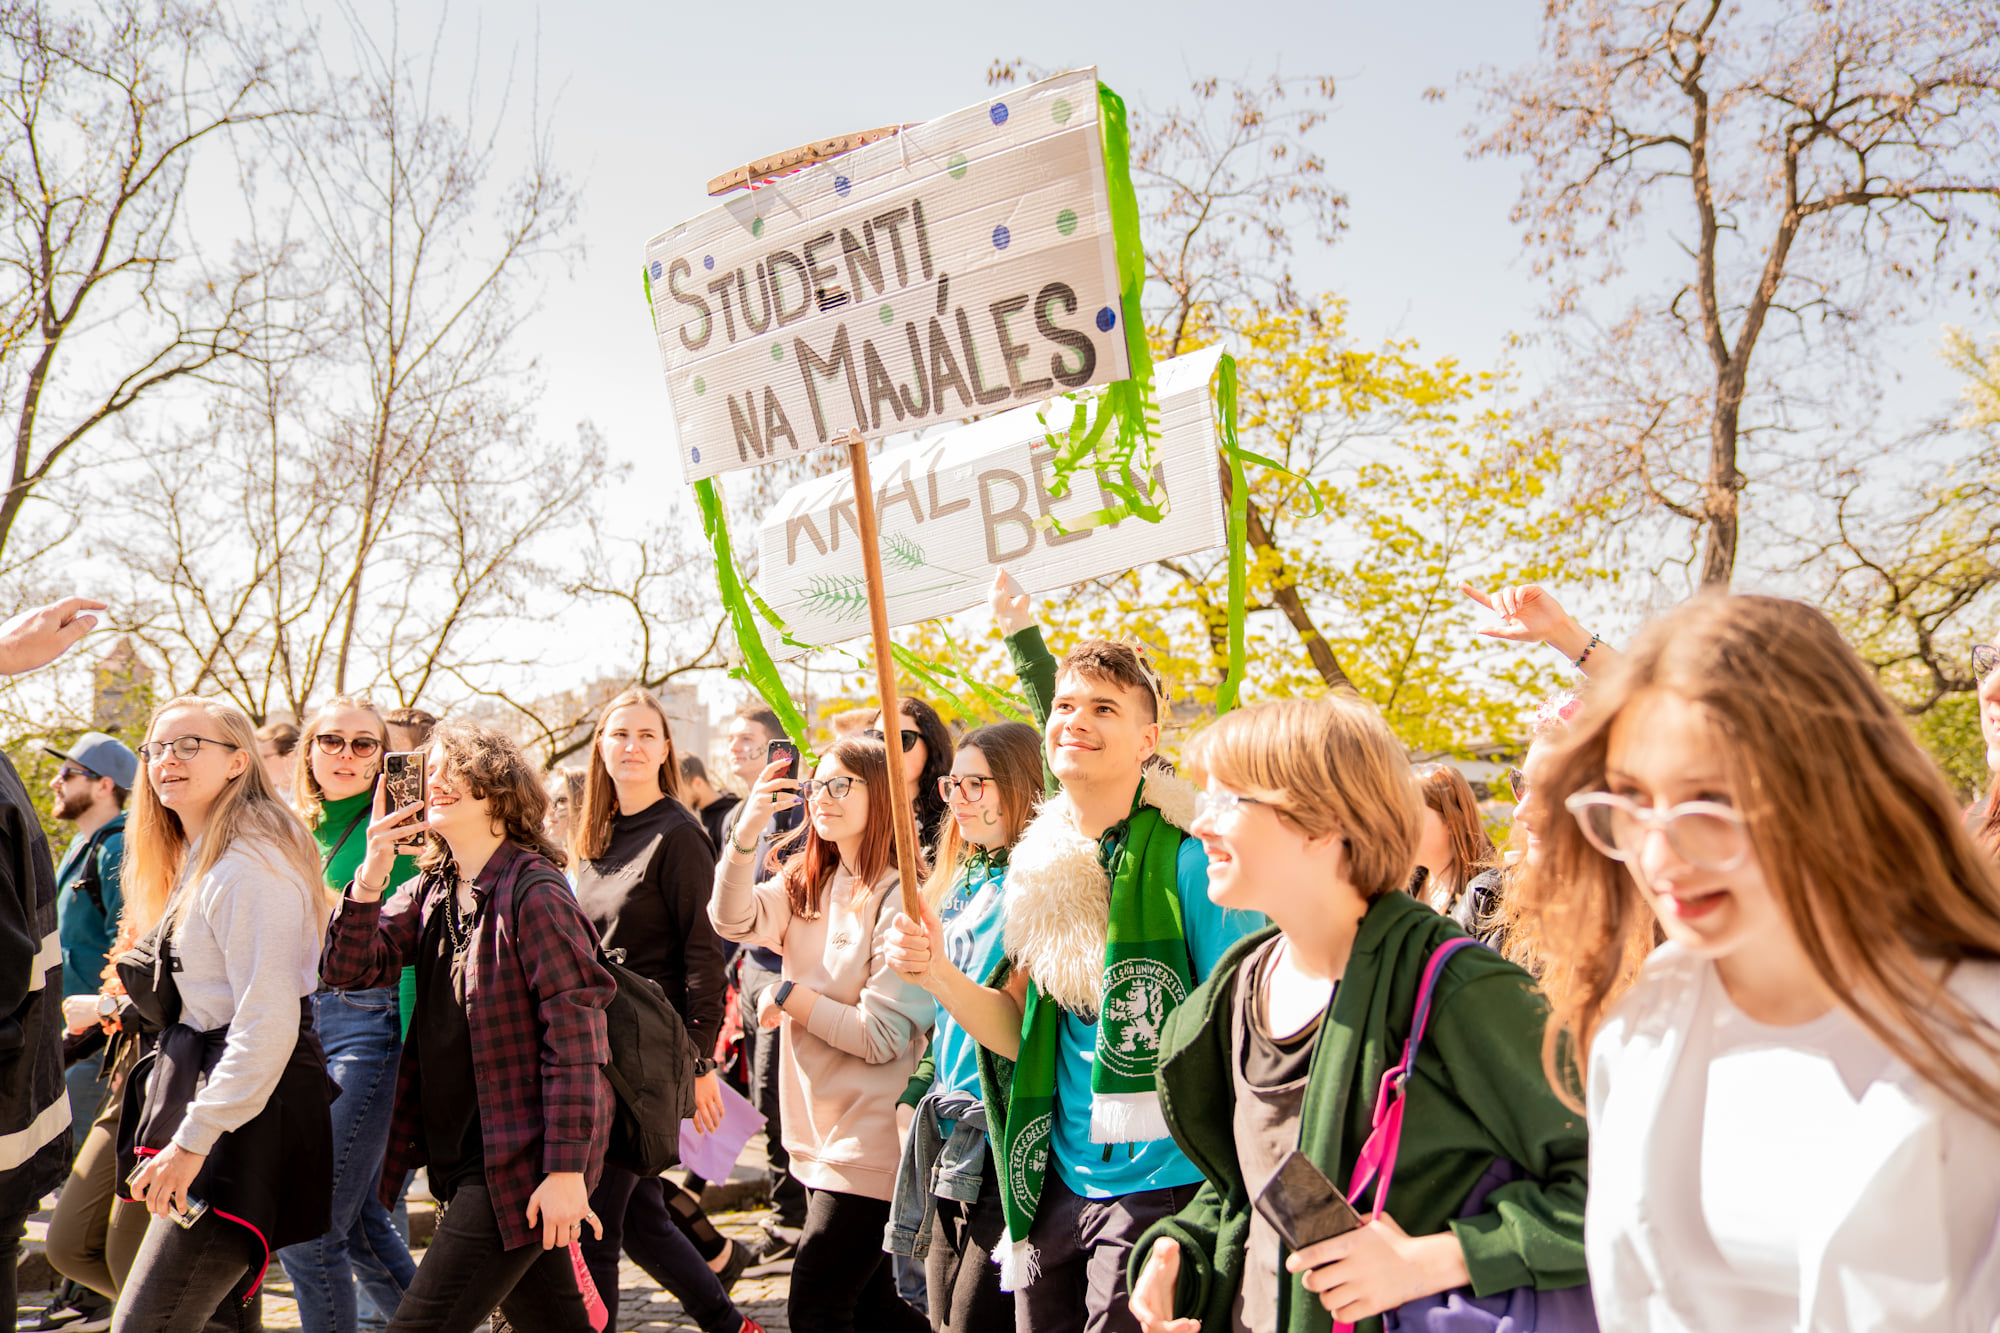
936, 1166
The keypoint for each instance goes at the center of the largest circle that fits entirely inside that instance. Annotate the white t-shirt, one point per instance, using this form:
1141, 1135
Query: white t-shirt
1745, 1176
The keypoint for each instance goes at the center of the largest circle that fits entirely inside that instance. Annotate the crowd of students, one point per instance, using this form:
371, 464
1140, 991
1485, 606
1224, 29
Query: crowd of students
1275, 1037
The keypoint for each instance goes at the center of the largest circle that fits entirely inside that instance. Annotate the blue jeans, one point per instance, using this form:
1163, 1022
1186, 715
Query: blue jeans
362, 1034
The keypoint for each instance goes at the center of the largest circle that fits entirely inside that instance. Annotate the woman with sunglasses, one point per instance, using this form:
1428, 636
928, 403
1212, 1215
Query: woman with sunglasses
1311, 817
362, 1031
852, 1030
1795, 1102
224, 1134
947, 1193
926, 749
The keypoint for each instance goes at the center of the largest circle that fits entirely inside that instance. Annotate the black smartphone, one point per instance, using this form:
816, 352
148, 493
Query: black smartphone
787, 819
1303, 1206
403, 784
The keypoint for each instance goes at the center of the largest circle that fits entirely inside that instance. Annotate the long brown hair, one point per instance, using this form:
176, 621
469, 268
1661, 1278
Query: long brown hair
1450, 798
1854, 827
495, 771
246, 811
808, 874
590, 827
307, 795
1013, 751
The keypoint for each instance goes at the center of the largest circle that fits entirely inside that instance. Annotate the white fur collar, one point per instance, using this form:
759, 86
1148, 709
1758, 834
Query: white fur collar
1059, 898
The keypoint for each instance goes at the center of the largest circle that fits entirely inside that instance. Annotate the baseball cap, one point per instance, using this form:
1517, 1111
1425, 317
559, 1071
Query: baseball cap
106, 756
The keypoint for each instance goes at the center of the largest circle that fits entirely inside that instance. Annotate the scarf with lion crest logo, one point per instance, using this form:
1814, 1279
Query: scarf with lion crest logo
1110, 944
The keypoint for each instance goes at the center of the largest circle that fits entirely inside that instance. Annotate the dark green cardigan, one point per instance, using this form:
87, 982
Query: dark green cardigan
1478, 1093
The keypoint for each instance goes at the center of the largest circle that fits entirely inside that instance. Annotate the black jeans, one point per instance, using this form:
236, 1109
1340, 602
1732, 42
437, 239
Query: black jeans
466, 1272
1083, 1245
193, 1280
788, 1197
959, 1272
841, 1279
635, 1217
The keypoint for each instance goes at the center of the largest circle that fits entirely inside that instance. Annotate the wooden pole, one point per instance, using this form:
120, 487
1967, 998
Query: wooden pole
902, 815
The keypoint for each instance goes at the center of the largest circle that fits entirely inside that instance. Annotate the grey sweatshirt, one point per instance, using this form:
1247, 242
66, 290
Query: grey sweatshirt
249, 950
842, 1071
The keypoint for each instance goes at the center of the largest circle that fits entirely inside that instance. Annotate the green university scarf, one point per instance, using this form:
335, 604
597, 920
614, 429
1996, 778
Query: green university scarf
1145, 975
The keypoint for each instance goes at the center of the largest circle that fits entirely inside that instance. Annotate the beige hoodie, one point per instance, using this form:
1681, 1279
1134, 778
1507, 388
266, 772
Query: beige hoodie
840, 1075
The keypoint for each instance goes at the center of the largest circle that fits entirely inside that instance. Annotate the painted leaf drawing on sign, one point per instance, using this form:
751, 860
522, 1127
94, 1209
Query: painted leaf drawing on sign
961, 267
953, 508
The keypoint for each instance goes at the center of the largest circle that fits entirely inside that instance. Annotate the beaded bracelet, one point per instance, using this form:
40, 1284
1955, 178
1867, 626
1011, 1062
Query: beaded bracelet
1588, 649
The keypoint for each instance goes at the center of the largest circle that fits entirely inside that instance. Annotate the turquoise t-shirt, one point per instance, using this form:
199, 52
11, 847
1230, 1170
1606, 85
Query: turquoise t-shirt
974, 939
1107, 1170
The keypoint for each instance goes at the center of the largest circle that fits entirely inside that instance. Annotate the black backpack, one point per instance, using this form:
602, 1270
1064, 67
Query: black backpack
651, 1071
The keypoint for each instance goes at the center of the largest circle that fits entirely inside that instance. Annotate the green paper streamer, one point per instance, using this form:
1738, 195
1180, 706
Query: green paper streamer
1128, 404
758, 669
1239, 535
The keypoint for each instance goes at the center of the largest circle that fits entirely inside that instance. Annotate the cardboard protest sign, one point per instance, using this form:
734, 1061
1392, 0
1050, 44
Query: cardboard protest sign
955, 507
960, 267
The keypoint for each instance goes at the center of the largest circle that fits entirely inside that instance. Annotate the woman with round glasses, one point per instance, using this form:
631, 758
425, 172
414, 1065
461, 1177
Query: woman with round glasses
947, 1192
851, 1029
926, 749
362, 1031
224, 1134
1795, 1102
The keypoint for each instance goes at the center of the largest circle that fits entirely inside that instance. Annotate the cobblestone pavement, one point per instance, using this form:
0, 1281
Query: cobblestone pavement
642, 1306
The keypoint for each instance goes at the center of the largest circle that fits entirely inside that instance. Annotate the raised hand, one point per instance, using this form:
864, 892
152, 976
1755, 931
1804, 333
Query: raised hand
1011, 609
773, 792
915, 949
39, 636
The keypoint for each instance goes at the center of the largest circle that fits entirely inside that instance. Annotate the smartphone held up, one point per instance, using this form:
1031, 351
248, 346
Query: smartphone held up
403, 785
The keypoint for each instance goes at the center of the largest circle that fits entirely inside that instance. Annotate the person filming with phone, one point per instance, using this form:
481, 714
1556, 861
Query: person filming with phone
225, 1133
1272, 1070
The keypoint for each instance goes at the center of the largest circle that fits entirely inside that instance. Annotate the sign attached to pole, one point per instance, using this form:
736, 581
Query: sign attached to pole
953, 509
960, 267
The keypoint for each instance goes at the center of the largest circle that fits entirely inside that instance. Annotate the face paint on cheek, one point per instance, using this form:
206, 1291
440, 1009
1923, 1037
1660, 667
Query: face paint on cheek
988, 818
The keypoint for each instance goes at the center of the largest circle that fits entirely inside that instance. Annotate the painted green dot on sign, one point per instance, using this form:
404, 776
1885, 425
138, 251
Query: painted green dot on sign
1061, 111
777, 351
1066, 221
888, 315
956, 166
756, 226
700, 385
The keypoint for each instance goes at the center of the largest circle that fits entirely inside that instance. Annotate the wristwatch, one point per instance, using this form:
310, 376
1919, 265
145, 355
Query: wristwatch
703, 1066
107, 1006
783, 993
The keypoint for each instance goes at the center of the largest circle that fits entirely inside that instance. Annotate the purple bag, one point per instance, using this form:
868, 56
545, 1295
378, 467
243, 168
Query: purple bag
1521, 1310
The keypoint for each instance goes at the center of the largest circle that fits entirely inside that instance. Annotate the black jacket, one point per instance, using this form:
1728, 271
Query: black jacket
648, 895
34, 1103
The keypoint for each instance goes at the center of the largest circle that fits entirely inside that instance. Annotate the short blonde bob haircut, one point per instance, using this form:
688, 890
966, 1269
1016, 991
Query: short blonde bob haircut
1330, 766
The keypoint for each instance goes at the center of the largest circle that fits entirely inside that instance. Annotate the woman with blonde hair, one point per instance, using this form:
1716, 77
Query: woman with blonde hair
1795, 1102
225, 1134
1369, 1034
340, 756
643, 874
852, 1030
1461, 874
501, 1094
947, 1205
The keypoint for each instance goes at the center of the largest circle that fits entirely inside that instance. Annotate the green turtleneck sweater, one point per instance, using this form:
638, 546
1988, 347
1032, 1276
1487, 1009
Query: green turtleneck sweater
334, 819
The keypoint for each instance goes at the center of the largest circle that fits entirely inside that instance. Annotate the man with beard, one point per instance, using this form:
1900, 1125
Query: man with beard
90, 792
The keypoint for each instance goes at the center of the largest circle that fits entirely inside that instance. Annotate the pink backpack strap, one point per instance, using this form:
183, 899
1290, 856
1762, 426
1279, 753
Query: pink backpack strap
1377, 1162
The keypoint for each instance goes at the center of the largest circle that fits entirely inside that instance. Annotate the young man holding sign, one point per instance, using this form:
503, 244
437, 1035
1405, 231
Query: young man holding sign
1109, 926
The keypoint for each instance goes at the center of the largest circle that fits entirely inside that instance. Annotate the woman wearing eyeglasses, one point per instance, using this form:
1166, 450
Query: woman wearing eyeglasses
851, 1029
1795, 1106
1311, 816
947, 1193
225, 1134
926, 749
362, 1032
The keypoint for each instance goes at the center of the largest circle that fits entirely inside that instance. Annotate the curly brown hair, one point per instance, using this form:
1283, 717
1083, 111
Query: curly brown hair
494, 770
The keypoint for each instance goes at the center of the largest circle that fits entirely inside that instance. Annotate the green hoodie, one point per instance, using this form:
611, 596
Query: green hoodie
341, 854
1478, 1093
